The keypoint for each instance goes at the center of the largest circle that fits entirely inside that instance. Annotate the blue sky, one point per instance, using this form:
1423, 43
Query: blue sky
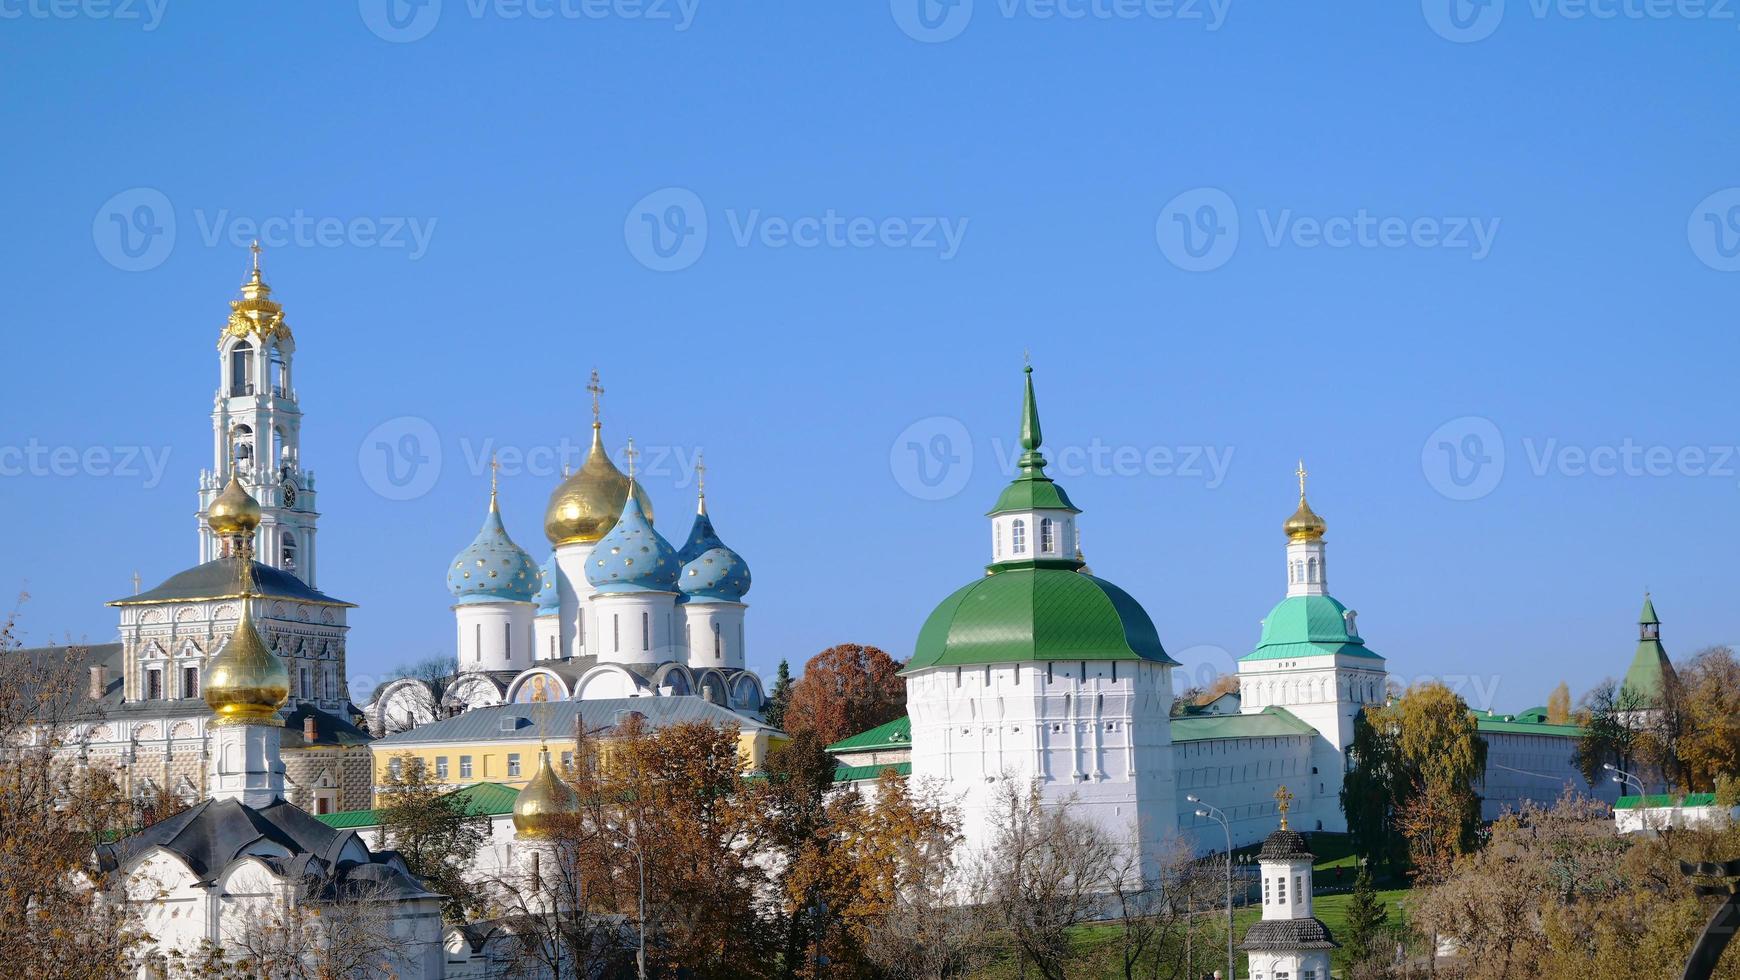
1535, 220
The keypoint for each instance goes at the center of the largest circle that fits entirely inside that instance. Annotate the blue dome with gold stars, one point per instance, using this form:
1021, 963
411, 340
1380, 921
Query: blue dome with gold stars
633, 557
710, 569
492, 568
549, 598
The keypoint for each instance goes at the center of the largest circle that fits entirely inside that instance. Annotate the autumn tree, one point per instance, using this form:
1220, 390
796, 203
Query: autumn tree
845, 690
433, 827
1610, 729
1708, 692
1559, 705
1425, 740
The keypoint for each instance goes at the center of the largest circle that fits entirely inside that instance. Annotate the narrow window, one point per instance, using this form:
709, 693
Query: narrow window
1047, 539
153, 684
718, 642
190, 682
645, 633
552, 647
1281, 890
440, 767
507, 639
580, 623
396, 767
477, 642
1265, 891
513, 763
1048, 677
465, 767
1311, 571
615, 633
242, 369
1114, 672
957, 677
1018, 537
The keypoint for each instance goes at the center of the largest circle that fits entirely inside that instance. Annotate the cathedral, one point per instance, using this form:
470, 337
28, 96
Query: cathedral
614, 611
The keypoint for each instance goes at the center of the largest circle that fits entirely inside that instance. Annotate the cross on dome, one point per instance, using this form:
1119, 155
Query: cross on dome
597, 390
1283, 803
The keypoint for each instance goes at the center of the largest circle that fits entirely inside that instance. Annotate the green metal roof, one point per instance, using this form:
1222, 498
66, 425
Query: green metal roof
1650, 668
1023, 614
1648, 617
481, 799
896, 732
1308, 626
853, 774
1271, 722
1662, 799
1032, 489
1492, 724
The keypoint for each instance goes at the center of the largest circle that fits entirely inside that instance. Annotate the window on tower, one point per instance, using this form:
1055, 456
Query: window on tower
242, 445
287, 552
190, 682
242, 369
1311, 571
277, 369
1018, 537
1047, 537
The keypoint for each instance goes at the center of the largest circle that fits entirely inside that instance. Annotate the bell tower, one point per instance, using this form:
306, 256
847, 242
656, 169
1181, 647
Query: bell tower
256, 431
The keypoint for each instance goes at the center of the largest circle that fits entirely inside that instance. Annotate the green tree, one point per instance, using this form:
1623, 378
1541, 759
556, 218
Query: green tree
1366, 918
436, 832
780, 696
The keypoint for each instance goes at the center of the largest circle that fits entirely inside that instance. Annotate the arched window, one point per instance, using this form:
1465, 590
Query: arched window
718, 642
1047, 539
242, 444
287, 552
1311, 571
276, 366
242, 369
1018, 537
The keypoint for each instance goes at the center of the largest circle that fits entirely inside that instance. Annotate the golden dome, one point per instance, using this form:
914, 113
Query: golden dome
585, 506
234, 511
1305, 525
246, 683
544, 797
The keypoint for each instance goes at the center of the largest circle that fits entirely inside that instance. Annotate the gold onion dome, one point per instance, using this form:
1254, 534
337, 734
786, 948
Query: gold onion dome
246, 683
545, 799
586, 505
1304, 525
234, 511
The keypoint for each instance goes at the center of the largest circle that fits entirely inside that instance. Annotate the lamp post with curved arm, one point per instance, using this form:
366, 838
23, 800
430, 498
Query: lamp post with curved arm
1213, 812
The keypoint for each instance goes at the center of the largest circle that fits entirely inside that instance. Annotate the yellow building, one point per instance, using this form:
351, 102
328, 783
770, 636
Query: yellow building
500, 744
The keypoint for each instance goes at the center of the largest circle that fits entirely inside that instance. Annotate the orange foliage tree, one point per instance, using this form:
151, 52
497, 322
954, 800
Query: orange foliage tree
844, 690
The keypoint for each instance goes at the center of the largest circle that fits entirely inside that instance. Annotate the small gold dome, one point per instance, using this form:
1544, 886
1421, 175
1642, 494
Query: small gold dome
1305, 525
246, 683
545, 796
585, 506
234, 511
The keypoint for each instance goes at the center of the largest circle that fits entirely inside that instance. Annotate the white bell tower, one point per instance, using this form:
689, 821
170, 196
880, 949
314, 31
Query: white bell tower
257, 424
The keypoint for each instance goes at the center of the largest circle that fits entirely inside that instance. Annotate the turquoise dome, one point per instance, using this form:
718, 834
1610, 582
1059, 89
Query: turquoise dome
710, 569
549, 598
1308, 626
633, 557
492, 568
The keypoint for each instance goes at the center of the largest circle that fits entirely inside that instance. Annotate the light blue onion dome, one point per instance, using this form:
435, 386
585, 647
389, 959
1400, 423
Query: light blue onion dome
710, 569
633, 557
492, 568
549, 597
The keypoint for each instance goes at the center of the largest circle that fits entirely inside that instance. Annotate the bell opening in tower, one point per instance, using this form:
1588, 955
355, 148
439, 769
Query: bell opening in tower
242, 369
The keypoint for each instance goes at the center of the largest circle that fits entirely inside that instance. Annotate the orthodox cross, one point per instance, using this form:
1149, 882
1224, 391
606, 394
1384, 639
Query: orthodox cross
701, 474
1283, 803
631, 453
135, 582
255, 248
1300, 473
597, 390
494, 472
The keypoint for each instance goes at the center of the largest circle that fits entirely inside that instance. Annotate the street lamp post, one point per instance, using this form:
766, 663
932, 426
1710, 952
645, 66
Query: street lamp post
1213, 812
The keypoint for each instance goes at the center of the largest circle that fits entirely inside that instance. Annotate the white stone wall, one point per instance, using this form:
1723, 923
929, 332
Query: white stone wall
572, 589
1327, 693
1239, 776
634, 627
1538, 767
170, 636
495, 635
1095, 732
709, 649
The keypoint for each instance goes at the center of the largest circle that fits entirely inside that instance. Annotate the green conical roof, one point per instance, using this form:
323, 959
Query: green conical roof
1032, 489
1648, 616
1647, 677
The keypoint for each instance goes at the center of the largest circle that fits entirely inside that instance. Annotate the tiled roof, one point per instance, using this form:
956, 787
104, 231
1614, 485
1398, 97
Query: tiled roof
556, 720
1271, 722
1285, 845
1288, 934
896, 732
218, 578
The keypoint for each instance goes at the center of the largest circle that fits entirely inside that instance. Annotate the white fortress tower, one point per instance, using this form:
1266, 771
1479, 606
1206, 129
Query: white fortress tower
493, 583
1312, 661
1289, 942
582, 509
1040, 673
257, 429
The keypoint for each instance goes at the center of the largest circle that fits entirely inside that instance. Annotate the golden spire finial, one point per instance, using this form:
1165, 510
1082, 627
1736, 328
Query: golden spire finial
255, 249
597, 390
1283, 803
1300, 473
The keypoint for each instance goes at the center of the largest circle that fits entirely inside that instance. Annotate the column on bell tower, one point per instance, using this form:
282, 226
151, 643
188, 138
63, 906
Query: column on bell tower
256, 431
1307, 565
